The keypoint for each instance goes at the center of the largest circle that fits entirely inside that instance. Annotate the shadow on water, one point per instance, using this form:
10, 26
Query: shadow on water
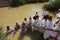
21, 36
14, 33
33, 36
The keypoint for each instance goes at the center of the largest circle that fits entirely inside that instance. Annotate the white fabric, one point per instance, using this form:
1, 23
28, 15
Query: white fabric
45, 13
58, 38
58, 15
35, 25
54, 34
47, 33
36, 14
39, 22
45, 23
26, 25
30, 21
9, 31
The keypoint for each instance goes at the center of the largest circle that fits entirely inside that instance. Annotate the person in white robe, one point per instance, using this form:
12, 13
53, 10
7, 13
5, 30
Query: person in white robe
34, 24
49, 25
9, 30
36, 14
23, 28
39, 24
26, 23
57, 27
30, 23
17, 26
45, 14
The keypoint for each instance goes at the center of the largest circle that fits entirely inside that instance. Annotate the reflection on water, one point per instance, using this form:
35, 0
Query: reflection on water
9, 16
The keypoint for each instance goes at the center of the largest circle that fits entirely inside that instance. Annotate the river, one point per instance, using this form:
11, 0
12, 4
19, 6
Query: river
9, 16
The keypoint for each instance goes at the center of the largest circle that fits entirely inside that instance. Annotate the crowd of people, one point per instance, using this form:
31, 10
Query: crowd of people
42, 25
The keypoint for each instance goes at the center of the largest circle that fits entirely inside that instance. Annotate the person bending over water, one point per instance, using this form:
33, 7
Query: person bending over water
17, 27
8, 30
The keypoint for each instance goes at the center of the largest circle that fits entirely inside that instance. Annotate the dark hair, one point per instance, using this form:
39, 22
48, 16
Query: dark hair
29, 17
50, 17
36, 12
34, 17
25, 19
8, 27
37, 16
46, 17
23, 23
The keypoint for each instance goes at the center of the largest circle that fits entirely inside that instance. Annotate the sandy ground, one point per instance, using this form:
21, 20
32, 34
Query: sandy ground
9, 16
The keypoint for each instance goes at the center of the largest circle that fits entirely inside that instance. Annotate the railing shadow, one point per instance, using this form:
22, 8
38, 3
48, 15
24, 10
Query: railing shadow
21, 36
32, 35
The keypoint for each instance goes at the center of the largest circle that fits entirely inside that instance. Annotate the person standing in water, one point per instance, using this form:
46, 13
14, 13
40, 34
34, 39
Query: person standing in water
36, 14
8, 30
26, 23
17, 26
57, 27
58, 14
45, 14
49, 25
30, 23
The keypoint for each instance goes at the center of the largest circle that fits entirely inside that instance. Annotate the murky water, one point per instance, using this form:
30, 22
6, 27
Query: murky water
9, 16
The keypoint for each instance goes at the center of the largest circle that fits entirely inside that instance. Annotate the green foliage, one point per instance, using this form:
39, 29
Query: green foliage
22, 2
15, 3
53, 6
2, 35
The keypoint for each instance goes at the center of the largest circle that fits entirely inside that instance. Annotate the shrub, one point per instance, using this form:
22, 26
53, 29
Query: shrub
2, 35
40, 1
15, 3
53, 6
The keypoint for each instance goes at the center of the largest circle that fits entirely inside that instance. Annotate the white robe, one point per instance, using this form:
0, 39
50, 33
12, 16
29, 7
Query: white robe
9, 31
30, 21
36, 14
48, 32
45, 13
35, 25
57, 28
54, 34
26, 25
39, 22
